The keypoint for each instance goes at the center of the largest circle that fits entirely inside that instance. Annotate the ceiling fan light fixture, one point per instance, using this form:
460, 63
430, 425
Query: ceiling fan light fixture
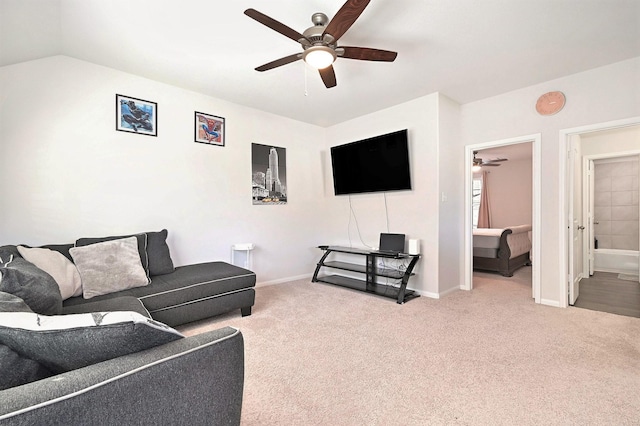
476, 168
319, 57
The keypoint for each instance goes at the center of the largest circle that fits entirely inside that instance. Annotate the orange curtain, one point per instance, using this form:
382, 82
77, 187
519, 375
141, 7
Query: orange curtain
484, 215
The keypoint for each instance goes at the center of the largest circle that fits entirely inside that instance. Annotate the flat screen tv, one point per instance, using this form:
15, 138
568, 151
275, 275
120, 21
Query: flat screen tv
377, 164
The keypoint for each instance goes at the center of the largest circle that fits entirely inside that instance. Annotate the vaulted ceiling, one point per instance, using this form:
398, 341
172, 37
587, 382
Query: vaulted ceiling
466, 49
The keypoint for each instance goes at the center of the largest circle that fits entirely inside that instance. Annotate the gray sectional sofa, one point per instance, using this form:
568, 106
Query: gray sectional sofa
173, 296
196, 381
119, 361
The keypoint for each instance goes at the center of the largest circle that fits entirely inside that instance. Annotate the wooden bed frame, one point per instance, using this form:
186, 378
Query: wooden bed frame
503, 263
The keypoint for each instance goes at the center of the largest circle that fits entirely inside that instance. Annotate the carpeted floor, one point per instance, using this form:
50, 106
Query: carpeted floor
316, 354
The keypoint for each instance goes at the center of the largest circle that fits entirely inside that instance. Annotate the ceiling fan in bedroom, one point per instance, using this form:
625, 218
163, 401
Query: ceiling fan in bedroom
479, 163
319, 42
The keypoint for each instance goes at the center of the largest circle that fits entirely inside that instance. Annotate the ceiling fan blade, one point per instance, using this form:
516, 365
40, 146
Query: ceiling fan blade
346, 16
489, 165
274, 25
368, 54
279, 62
497, 160
328, 76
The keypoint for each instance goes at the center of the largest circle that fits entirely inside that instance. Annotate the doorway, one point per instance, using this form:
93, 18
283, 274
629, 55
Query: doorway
577, 220
534, 140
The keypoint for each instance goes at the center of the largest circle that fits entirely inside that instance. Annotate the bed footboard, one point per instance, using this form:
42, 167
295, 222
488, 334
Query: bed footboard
512, 253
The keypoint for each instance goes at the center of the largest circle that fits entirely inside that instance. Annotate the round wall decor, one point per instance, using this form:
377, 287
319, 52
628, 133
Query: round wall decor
550, 103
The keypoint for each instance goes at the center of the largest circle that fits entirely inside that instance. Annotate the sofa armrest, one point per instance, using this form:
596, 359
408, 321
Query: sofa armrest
197, 380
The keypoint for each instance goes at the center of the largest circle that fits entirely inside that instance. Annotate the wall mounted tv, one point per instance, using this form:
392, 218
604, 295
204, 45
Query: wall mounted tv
376, 164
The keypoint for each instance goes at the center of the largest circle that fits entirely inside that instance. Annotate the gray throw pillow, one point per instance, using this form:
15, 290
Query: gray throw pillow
31, 284
109, 267
158, 251
58, 266
62, 343
12, 303
142, 247
7, 251
16, 370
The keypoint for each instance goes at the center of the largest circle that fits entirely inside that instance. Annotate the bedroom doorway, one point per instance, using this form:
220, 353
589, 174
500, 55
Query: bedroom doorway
533, 142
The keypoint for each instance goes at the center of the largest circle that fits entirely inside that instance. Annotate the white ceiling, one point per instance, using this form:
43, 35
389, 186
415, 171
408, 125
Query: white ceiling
466, 49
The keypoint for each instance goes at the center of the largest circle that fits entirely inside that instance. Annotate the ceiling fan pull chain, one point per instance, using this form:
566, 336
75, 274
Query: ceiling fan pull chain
306, 93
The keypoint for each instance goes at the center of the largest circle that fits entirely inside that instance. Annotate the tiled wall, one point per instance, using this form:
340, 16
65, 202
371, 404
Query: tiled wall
616, 194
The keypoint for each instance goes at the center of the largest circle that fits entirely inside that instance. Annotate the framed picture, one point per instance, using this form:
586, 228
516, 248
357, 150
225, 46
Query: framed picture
268, 175
209, 129
136, 116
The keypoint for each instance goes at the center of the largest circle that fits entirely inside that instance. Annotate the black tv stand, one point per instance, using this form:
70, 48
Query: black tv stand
371, 272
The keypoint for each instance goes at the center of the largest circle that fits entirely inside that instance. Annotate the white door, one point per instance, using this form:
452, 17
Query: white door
574, 220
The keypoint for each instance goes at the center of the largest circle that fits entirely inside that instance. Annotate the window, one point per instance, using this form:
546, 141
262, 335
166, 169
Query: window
476, 190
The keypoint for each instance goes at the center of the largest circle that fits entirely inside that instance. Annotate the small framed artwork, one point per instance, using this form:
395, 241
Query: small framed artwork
209, 129
268, 175
136, 116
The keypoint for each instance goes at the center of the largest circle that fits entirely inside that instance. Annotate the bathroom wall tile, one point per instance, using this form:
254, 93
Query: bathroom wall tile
624, 168
624, 242
602, 199
604, 241
625, 213
624, 227
603, 227
602, 213
604, 170
601, 184
622, 183
621, 198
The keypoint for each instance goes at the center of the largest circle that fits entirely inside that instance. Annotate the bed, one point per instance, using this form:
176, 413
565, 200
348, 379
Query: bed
501, 250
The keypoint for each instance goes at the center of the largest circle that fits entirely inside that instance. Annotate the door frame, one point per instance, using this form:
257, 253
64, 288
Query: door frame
566, 179
535, 140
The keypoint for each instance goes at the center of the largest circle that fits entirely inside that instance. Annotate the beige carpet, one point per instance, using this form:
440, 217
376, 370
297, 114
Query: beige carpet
322, 355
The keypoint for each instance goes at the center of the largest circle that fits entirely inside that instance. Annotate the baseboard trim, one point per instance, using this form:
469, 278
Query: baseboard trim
427, 294
283, 280
451, 290
548, 302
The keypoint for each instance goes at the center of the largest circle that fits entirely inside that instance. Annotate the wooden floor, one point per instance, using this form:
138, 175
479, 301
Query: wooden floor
603, 291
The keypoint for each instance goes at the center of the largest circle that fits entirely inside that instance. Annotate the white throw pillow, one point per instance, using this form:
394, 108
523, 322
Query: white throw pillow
63, 271
109, 266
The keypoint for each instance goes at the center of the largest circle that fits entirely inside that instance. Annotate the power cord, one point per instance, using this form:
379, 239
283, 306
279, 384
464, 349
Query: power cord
355, 218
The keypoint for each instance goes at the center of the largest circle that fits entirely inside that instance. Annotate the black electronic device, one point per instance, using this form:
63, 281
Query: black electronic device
376, 164
391, 243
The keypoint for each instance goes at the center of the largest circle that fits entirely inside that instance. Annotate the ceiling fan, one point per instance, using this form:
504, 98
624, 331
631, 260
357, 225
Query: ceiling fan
479, 162
319, 42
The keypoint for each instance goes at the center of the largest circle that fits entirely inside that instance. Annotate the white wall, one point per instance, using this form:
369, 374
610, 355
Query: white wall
451, 196
510, 193
604, 94
415, 212
67, 172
